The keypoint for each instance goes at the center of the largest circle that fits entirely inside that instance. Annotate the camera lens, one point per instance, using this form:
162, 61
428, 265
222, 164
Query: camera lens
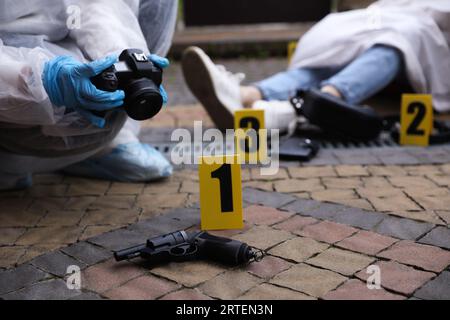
143, 99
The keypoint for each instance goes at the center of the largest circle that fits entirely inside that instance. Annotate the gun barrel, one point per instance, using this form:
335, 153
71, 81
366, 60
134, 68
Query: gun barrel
129, 253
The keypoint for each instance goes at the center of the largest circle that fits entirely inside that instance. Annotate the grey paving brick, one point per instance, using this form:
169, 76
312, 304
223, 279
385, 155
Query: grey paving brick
430, 155
405, 229
269, 199
14, 279
359, 218
174, 221
324, 158
398, 157
326, 211
301, 206
56, 263
357, 157
186, 217
439, 237
55, 289
87, 253
437, 289
118, 239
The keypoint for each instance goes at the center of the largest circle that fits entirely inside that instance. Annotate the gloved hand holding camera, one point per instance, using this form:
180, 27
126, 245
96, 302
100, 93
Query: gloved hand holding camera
94, 88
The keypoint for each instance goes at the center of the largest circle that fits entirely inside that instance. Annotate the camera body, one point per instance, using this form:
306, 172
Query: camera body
139, 78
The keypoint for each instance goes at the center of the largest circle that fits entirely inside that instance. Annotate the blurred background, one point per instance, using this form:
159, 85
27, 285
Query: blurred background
249, 36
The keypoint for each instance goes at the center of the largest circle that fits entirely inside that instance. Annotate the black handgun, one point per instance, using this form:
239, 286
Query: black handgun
180, 246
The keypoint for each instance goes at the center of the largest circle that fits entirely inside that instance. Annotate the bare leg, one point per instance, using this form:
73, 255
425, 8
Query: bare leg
332, 90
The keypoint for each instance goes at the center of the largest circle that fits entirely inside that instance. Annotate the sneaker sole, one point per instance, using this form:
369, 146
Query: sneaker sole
200, 82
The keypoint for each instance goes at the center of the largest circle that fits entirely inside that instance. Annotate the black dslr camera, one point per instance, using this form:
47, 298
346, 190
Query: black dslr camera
139, 78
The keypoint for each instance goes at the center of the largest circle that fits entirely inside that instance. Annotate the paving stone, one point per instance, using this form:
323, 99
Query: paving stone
87, 187
190, 187
312, 172
256, 175
351, 171
433, 203
56, 263
263, 237
150, 202
61, 218
310, 280
36, 251
268, 199
431, 192
423, 256
444, 215
230, 285
109, 274
334, 195
47, 204
327, 211
301, 206
422, 170
411, 182
20, 277
189, 274
398, 277
46, 290
10, 235
425, 216
379, 192
93, 231
186, 295
113, 202
437, 289
375, 182
10, 256
264, 215
79, 203
268, 292
121, 188
163, 187
393, 203
268, 267
117, 217
87, 253
367, 242
386, 171
298, 249
295, 223
48, 178
259, 185
398, 158
294, 185
143, 288
119, 239
41, 191
342, 183
355, 157
440, 180
439, 237
19, 219
356, 217
342, 261
50, 235
403, 228
357, 290
326, 231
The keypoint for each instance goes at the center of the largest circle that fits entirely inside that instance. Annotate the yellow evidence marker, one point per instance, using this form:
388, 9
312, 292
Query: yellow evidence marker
221, 193
416, 119
292, 46
251, 145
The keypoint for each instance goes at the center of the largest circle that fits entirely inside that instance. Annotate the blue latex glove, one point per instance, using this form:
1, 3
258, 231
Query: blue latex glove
162, 63
68, 83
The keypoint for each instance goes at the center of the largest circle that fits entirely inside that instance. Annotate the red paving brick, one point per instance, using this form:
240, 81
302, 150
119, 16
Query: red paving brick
357, 290
422, 256
325, 231
142, 288
268, 267
109, 274
399, 278
264, 215
367, 242
296, 223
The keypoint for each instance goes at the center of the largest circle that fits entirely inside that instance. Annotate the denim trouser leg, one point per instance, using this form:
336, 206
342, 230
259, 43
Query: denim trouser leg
368, 74
285, 85
158, 19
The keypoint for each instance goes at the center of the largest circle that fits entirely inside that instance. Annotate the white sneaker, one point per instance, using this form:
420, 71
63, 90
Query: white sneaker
215, 87
279, 115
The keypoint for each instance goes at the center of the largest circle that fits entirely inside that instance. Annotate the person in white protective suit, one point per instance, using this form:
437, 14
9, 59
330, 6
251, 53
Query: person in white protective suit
352, 55
49, 49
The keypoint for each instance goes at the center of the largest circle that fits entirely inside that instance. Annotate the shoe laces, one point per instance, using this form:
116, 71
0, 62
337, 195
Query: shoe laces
238, 77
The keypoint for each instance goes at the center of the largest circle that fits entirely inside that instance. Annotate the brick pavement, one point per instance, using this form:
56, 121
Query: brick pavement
311, 255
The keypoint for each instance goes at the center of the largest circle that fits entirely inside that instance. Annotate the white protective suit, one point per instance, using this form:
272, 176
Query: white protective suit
420, 29
36, 136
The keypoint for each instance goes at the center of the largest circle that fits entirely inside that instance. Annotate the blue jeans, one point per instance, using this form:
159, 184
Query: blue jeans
367, 75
